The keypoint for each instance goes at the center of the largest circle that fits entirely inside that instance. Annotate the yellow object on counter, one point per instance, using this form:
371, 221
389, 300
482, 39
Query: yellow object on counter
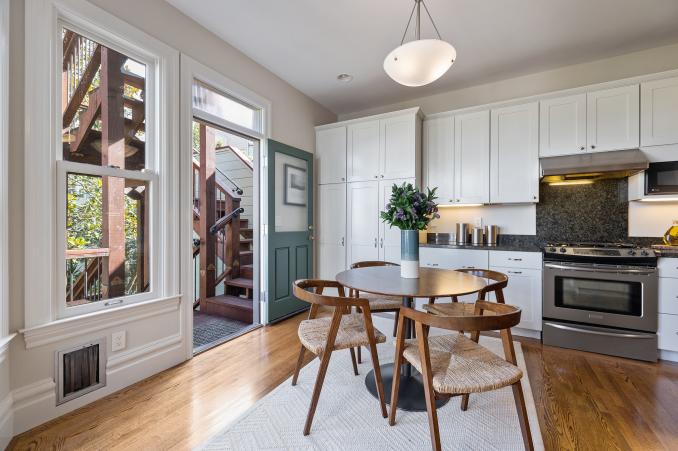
671, 235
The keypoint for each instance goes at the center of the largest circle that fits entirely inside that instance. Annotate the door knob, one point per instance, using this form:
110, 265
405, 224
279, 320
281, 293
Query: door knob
311, 237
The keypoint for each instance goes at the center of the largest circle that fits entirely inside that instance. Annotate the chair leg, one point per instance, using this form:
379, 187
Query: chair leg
322, 371
355, 365
395, 322
300, 362
377, 377
464, 402
522, 415
360, 356
427, 378
395, 385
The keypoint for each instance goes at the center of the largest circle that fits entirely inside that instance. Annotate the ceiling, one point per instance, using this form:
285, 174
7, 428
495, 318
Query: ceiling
309, 42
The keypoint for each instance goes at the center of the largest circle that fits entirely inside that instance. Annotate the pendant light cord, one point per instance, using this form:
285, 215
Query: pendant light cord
416, 3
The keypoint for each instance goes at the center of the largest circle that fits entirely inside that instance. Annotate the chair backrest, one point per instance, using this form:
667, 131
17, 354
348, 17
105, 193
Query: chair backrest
302, 290
505, 316
500, 282
370, 263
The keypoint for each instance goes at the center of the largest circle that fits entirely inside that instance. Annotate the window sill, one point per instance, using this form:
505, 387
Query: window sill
71, 327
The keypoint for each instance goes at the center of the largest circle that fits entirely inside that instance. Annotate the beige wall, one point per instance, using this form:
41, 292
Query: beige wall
293, 118
629, 65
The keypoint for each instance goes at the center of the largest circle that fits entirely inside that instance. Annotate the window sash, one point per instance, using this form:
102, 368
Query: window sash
151, 178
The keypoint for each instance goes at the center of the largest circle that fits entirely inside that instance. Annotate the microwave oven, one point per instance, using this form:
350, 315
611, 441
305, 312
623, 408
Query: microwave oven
662, 178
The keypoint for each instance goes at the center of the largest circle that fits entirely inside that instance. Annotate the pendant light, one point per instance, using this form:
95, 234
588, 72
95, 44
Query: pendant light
422, 61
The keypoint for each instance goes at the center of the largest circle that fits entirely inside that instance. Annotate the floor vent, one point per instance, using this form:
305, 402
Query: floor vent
80, 370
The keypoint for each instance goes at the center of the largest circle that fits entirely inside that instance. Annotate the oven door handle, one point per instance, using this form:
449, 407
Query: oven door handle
596, 332
640, 272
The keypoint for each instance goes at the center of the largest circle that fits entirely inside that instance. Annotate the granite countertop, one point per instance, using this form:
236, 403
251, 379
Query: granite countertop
500, 247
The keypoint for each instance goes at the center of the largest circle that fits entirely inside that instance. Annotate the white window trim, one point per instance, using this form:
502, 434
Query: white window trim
193, 70
4, 174
43, 254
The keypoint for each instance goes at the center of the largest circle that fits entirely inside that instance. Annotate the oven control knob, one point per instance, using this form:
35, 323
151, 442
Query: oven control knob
632, 252
552, 249
645, 253
563, 250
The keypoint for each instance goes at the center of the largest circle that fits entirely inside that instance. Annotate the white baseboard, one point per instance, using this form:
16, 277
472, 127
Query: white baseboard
669, 356
6, 421
35, 403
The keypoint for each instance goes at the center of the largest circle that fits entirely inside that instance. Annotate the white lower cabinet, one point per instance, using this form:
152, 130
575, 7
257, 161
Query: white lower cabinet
444, 258
667, 334
524, 290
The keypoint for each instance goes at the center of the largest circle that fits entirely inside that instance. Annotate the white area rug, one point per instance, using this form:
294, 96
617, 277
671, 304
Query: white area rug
348, 417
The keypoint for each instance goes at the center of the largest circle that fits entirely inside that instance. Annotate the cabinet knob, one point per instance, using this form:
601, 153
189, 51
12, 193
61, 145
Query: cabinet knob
375, 242
376, 176
592, 146
582, 148
342, 179
382, 176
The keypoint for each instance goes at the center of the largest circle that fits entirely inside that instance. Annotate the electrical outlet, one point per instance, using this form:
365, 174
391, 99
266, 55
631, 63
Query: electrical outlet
118, 341
478, 222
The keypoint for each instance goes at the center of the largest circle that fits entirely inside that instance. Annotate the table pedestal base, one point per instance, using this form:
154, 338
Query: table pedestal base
411, 395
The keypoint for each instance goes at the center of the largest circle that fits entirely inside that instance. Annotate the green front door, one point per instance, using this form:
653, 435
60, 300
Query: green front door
290, 230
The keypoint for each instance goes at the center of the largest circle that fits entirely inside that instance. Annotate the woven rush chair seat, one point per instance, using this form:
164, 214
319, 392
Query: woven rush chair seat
453, 309
380, 302
460, 365
351, 334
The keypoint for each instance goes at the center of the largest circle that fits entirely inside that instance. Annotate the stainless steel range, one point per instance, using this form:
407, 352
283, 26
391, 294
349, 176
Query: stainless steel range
601, 297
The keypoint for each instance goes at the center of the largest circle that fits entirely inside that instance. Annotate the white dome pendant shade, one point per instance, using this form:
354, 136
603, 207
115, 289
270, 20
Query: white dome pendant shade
420, 62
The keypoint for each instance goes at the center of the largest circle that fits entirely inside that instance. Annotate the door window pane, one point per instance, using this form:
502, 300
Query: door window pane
107, 238
291, 193
103, 105
605, 296
225, 107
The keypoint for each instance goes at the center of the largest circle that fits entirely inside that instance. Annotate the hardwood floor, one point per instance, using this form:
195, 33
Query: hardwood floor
584, 401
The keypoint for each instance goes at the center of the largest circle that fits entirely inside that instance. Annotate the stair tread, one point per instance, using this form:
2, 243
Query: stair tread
232, 301
240, 282
246, 240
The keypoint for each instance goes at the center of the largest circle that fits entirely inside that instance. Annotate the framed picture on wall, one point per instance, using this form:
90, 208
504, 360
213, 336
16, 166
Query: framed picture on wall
295, 185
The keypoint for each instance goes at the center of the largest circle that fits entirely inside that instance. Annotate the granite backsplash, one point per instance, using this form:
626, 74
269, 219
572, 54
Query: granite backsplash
596, 212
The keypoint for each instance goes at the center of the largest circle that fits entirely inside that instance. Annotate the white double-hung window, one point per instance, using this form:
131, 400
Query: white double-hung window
109, 182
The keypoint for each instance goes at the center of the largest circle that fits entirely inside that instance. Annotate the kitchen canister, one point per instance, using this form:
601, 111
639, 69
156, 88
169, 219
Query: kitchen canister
491, 234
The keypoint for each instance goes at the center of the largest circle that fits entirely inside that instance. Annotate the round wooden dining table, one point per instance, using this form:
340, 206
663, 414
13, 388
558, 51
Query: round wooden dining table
432, 282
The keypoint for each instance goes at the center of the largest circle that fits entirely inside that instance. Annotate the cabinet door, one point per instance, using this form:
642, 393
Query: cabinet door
562, 126
331, 233
363, 221
659, 112
389, 237
331, 155
397, 158
439, 157
524, 290
363, 151
613, 119
514, 154
472, 157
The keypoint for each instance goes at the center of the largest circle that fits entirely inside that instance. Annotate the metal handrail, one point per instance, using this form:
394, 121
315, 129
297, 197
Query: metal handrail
221, 223
236, 189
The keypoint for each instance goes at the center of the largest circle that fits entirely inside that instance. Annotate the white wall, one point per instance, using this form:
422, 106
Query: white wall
650, 218
242, 175
153, 343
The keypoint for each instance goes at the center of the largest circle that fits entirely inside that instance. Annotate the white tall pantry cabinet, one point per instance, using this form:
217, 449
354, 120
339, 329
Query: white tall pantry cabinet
358, 162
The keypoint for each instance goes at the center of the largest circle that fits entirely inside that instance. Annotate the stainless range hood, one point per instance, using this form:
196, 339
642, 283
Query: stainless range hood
593, 166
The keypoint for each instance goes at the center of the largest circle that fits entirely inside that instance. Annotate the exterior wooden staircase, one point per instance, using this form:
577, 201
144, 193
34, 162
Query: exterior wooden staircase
225, 247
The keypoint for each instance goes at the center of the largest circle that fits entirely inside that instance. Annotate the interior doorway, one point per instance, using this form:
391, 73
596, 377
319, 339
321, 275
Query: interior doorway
225, 241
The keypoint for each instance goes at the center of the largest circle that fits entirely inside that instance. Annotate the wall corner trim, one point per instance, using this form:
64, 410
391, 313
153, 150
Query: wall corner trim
4, 349
73, 327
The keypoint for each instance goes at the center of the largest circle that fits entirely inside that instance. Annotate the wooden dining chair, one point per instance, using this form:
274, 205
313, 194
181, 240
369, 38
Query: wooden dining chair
343, 330
378, 302
453, 364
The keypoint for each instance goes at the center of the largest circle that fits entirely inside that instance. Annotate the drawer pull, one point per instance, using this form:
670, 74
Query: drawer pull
515, 272
515, 259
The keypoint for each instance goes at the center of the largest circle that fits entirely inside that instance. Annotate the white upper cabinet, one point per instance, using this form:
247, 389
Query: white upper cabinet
363, 221
439, 157
472, 157
331, 235
514, 154
399, 147
613, 119
659, 112
562, 126
363, 151
331, 155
